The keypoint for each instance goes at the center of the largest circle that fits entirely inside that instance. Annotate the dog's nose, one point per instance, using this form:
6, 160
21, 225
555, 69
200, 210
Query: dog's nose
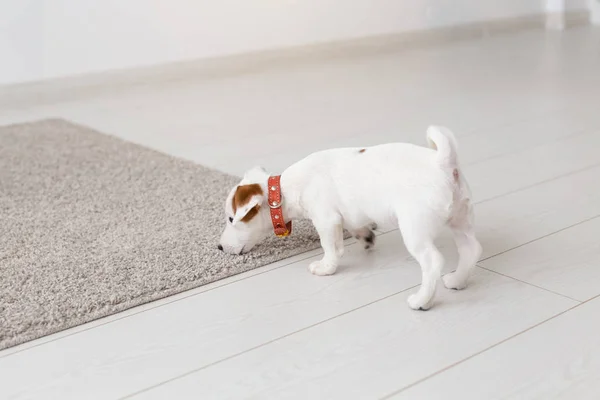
220, 247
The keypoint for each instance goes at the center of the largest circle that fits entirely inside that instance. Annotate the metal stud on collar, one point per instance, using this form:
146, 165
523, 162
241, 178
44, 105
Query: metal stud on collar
275, 204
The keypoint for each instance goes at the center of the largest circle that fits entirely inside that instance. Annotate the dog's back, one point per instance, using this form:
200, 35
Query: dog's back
371, 184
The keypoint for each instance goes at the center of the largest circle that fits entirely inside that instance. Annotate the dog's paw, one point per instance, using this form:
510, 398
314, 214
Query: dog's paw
321, 268
417, 303
367, 238
454, 281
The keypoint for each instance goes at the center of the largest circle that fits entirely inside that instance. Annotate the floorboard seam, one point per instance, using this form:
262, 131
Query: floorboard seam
487, 348
191, 372
318, 252
595, 165
530, 284
285, 265
386, 297
264, 344
541, 237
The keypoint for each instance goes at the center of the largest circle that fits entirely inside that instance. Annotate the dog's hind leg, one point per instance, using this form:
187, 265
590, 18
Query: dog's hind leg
419, 229
469, 249
366, 236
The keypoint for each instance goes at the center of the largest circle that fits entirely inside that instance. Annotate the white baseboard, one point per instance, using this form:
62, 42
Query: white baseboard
555, 21
559, 21
74, 87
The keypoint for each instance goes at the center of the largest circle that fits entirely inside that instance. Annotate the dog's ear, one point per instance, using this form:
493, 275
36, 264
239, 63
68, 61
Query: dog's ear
256, 174
246, 202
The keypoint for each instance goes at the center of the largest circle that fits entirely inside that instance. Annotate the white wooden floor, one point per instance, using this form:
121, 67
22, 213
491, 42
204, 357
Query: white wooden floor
526, 109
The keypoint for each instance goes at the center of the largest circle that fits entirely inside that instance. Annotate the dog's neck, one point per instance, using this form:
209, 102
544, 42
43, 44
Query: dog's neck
291, 195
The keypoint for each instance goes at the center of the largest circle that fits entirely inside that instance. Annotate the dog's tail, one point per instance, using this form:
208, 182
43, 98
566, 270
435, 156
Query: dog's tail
442, 139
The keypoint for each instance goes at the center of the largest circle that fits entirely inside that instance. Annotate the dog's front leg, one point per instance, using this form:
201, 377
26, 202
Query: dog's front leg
331, 232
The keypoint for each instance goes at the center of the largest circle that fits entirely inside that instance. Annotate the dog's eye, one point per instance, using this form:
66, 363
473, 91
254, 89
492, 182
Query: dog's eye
230, 219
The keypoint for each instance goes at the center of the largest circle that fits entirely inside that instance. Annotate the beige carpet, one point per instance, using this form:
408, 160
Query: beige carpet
91, 225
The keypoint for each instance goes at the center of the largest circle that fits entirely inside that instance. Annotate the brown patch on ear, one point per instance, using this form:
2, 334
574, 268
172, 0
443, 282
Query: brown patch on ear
242, 196
362, 150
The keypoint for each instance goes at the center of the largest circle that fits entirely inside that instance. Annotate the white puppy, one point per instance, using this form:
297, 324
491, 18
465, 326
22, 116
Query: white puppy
421, 190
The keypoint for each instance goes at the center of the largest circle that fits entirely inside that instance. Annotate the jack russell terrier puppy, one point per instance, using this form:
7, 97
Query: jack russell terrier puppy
420, 190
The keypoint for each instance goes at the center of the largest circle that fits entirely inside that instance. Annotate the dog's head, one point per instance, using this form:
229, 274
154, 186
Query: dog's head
246, 214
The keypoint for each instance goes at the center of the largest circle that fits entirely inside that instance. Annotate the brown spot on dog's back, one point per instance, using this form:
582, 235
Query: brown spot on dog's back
455, 174
242, 196
362, 150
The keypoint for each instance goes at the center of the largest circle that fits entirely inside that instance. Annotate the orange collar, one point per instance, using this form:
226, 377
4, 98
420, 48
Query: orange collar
275, 200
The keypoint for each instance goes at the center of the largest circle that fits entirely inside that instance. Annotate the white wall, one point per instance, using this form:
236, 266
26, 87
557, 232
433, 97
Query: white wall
21, 45
41, 39
569, 5
594, 6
